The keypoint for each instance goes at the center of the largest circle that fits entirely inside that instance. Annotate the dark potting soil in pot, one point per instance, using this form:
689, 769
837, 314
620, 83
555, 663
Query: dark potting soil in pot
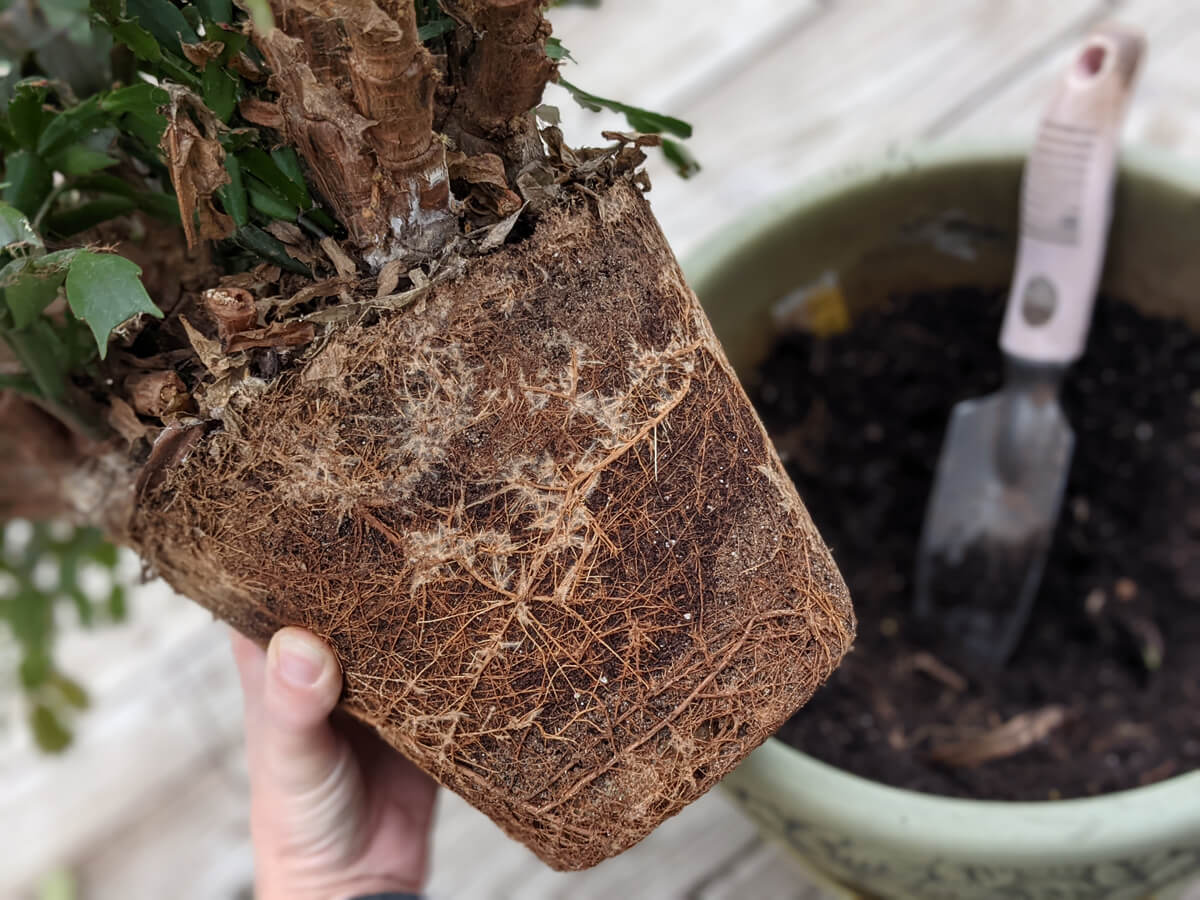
1104, 691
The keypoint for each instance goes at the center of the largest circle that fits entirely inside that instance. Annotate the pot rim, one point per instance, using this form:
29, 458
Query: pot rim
1141, 816
721, 249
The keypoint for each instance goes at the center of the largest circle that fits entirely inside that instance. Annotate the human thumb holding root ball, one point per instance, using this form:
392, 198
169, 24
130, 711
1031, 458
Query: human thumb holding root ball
335, 813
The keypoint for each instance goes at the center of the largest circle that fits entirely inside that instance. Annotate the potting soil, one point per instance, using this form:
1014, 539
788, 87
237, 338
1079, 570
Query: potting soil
1103, 693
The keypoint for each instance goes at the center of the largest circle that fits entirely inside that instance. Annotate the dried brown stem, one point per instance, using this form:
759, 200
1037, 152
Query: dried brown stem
502, 79
326, 47
356, 99
1015, 736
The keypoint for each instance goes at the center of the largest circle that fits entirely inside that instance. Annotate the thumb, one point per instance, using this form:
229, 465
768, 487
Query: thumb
301, 687
307, 786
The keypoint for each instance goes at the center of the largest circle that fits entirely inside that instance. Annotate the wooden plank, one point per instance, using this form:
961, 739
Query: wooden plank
843, 86
664, 54
141, 737
1166, 107
197, 847
764, 871
684, 851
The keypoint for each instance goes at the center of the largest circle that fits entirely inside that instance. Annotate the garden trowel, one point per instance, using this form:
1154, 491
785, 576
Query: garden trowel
1000, 480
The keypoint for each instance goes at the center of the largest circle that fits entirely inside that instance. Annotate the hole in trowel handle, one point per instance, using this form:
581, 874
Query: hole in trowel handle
1091, 60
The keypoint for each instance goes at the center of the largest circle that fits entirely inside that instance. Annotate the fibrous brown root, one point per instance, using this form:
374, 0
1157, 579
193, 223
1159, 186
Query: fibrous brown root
539, 521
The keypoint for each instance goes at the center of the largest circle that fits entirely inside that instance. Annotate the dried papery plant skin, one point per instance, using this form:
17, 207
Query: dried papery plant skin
539, 521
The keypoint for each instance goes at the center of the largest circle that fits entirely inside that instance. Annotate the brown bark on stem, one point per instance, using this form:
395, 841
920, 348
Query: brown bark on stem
326, 47
502, 80
360, 111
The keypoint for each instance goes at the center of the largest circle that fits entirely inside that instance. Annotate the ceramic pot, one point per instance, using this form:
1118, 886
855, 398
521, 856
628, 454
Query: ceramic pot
911, 222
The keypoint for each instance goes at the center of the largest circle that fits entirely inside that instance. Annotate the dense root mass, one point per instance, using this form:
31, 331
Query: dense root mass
541, 524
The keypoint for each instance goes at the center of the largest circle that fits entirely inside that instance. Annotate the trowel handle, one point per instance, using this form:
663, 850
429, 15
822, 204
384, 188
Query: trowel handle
1066, 201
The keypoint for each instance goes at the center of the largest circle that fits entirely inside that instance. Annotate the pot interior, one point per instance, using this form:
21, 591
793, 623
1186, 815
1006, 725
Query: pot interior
945, 234
944, 218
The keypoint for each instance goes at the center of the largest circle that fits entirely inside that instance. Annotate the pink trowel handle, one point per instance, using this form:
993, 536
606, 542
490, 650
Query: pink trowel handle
1066, 201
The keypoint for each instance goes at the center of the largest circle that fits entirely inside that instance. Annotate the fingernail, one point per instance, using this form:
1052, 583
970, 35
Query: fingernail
299, 661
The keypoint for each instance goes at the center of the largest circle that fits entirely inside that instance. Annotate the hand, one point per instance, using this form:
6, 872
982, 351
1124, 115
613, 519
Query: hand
334, 812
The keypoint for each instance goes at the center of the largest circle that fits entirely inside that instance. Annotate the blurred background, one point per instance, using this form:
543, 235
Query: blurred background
150, 800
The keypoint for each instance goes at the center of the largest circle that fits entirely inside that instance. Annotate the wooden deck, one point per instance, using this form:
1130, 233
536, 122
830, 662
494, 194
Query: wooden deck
151, 802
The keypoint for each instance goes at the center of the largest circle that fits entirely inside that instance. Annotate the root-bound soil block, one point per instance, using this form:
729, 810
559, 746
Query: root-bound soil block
1104, 692
539, 521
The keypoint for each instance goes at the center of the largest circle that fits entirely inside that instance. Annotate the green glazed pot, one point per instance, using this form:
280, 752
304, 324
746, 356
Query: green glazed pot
920, 220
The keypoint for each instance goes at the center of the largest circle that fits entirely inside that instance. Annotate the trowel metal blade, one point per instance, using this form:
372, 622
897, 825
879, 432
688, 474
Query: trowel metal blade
996, 497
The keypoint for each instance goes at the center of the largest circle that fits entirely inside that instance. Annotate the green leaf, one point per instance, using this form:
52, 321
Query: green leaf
216, 10
642, 120
265, 168
15, 231
234, 41
8, 141
193, 17
49, 350
138, 108
233, 195
163, 20
137, 39
103, 551
67, 222
260, 15
31, 616
29, 179
70, 690
681, 158
117, 607
104, 290
156, 203
269, 203
126, 31
60, 259
147, 128
257, 241
35, 669
66, 15
26, 116
58, 885
39, 350
108, 184
161, 206
288, 162
319, 223
48, 731
70, 126
140, 98
556, 51
436, 28
29, 288
219, 90
22, 384
80, 160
